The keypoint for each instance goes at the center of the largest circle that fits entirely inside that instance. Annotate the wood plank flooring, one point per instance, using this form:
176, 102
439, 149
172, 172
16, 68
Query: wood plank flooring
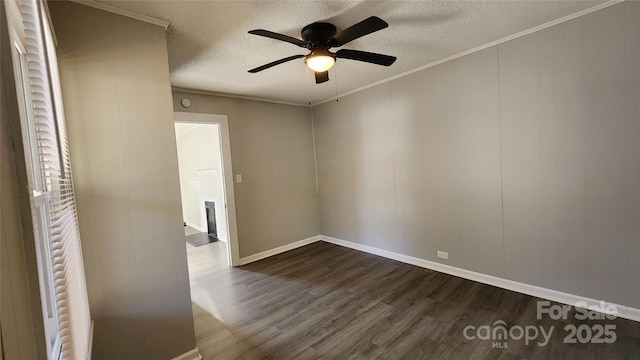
323, 301
188, 230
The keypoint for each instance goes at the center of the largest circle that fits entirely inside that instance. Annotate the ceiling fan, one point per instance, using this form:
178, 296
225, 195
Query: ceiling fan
319, 37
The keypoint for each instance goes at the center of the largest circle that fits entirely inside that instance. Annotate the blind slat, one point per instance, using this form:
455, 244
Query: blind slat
53, 153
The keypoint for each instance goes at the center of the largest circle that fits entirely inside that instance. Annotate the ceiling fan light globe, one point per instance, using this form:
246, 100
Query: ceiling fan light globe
320, 63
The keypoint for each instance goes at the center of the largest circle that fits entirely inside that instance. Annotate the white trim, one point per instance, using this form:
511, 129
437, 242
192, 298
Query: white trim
124, 12
479, 48
233, 250
625, 312
190, 355
203, 230
279, 250
197, 227
50, 24
233, 96
90, 348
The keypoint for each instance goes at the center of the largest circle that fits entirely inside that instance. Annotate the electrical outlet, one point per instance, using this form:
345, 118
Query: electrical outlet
443, 254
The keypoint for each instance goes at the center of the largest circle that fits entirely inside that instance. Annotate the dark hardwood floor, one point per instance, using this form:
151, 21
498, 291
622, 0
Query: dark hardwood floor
323, 301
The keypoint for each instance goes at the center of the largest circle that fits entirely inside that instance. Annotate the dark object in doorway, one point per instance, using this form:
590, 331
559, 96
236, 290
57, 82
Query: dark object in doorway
200, 239
212, 227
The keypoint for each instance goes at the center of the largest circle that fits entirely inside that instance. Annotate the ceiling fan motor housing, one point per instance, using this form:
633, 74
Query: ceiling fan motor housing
318, 34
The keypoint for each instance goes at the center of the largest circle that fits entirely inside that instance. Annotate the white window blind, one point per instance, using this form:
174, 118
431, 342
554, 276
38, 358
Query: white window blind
64, 250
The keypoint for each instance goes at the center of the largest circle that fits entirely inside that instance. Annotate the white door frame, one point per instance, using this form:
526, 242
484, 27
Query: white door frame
233, 252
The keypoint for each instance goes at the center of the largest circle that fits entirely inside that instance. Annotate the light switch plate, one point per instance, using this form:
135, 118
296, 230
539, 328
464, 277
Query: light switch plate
239, 178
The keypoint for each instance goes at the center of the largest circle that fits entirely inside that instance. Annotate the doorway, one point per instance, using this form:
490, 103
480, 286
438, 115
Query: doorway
206, 186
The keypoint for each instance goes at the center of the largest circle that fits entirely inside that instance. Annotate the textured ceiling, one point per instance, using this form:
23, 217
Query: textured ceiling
209, 48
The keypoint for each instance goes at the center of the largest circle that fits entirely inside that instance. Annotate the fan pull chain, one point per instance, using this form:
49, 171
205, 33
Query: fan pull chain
309, 87
335, 79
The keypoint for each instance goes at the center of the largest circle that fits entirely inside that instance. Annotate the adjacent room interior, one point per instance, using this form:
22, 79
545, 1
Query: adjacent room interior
201, 182
320, 180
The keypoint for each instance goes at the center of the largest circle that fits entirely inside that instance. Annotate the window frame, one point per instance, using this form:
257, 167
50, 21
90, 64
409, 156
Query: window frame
39, 199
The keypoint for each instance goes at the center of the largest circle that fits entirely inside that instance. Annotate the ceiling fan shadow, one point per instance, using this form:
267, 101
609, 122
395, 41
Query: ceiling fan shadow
429, 20
397, 13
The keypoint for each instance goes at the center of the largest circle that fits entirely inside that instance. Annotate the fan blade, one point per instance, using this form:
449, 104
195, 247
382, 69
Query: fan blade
364, 27
322, 77
277, 62
373, 58
281, 37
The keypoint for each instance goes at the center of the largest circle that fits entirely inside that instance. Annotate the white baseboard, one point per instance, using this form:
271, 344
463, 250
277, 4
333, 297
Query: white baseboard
626, 312
197, 227
278, 250
190, 355
90, 347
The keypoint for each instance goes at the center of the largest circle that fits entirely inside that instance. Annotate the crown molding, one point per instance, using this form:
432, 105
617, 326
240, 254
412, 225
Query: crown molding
120, 11
479, 48
212, 93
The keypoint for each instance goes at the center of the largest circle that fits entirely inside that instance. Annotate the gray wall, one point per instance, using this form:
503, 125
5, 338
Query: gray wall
272, 147
521, 160
115, 82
